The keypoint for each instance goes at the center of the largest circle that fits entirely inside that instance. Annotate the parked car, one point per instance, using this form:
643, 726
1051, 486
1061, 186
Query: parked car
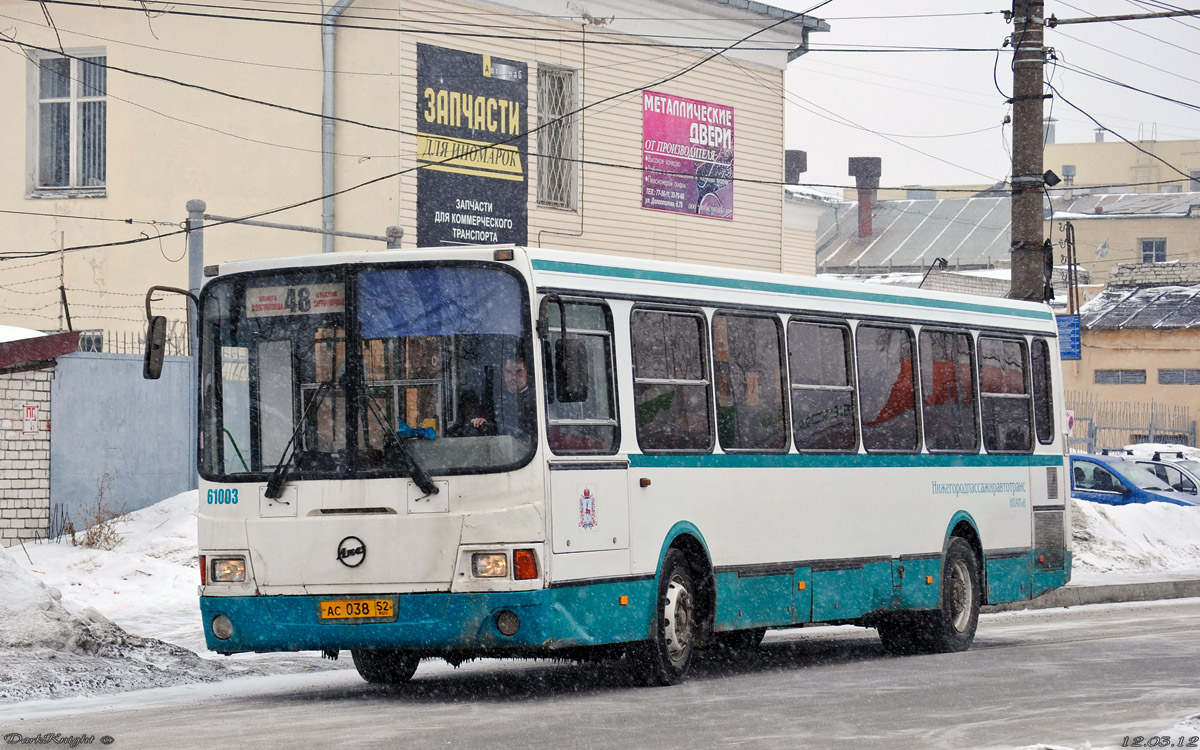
1183, 474
1120, 480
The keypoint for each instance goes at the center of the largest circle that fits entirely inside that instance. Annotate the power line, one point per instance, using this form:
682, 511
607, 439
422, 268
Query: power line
683, 71
1131, 143
1114, 82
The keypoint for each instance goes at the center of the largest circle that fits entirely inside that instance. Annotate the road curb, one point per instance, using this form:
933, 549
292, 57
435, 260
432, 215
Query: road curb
1070, 596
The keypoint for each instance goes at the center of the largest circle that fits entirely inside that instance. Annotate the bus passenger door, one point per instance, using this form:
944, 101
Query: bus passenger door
589, 492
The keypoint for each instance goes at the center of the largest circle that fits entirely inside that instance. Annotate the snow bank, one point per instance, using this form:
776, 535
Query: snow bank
1137, 537
47, 651
147, 584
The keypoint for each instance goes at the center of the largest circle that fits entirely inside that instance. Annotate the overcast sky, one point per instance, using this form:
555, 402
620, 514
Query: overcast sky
936, 117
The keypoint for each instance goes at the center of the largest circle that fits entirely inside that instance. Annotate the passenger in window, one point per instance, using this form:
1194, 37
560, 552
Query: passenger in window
512, 413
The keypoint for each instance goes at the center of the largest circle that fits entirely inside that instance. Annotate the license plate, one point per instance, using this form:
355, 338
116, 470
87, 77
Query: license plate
358, 609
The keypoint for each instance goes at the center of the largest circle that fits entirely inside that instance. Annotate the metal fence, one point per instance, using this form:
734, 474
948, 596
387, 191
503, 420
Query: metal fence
99, 340
1101, 424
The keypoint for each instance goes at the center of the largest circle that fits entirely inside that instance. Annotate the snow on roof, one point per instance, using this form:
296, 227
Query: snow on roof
1153, 307
13, 333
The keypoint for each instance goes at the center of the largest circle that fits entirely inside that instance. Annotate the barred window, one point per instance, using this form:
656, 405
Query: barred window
1119, 377
71, 121
1179, 377
557, 137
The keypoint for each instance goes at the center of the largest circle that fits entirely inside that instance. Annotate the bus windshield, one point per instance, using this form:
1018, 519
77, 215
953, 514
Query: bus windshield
345, 372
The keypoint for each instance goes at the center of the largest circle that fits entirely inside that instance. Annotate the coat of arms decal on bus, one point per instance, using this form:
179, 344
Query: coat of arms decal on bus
587, 509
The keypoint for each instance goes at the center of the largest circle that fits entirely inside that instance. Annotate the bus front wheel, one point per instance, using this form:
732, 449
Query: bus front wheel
666, 658
386, 666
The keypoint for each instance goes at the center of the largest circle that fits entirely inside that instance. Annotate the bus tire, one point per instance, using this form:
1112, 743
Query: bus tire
950, 627
385, 666
666, 658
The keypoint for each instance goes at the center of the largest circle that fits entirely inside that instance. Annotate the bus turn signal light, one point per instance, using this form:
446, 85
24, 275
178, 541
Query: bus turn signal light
203, 570
524, 565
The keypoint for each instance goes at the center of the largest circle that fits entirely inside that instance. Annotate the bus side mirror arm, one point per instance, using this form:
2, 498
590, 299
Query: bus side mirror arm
156, 332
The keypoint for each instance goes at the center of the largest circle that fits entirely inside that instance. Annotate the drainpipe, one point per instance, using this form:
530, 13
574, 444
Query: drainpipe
328, 35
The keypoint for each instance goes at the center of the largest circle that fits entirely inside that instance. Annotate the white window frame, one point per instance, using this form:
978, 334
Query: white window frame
34, 188
558, 144
1153, 242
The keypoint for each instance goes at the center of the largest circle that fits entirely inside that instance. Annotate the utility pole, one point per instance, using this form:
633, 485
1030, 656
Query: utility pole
1028, 190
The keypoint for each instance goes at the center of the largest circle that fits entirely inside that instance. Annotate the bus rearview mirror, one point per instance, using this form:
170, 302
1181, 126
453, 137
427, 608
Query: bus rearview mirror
156, 341
570, 371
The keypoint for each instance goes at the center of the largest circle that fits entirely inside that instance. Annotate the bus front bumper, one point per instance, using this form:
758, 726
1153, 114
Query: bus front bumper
549, 619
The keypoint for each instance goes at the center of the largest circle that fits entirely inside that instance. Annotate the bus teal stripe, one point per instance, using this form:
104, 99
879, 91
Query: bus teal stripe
824, 461
768, 286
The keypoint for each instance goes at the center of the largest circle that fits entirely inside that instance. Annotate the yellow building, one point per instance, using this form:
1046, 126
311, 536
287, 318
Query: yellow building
1140, 347
534, 122
1145, 166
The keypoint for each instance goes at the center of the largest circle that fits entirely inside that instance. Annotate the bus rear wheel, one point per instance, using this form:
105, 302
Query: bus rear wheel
666, 658
386, 666
950, 627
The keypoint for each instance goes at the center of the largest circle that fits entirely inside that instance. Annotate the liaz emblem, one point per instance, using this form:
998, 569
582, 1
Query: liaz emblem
587, 509
351, 552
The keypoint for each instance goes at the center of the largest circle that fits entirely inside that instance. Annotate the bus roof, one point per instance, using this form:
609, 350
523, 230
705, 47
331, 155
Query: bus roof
618, 276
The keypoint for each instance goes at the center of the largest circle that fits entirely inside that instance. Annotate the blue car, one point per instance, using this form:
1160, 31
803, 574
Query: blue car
1116, 480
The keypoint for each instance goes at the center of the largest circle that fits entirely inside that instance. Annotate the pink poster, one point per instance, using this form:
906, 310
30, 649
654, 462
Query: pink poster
687, 156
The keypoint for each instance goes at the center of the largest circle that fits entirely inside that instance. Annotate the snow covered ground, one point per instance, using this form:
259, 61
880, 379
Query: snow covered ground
78, 621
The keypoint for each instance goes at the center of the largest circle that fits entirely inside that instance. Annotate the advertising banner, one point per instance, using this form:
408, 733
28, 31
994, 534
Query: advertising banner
471, 147
687, 156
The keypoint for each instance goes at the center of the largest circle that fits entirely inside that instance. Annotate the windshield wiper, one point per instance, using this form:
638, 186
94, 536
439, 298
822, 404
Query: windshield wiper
275, 485
415, 470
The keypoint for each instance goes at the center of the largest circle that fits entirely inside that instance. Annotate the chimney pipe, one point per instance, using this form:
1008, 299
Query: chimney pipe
865, 170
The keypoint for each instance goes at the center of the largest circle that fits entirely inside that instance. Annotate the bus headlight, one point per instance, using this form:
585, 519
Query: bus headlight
229, 569
489, 565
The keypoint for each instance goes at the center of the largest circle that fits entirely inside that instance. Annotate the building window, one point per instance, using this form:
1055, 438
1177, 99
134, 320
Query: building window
1194, 185
1179, 377
1119, 377
1154, 251
557, 138
71, 123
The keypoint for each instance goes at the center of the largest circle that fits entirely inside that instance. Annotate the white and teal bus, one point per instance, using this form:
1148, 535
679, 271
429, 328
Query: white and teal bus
502, 451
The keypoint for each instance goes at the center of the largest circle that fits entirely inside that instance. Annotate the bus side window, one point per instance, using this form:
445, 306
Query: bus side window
672, 392
1004, 395
748, 359
820, 370
887, 389
1043, 396
948, 392
589, 425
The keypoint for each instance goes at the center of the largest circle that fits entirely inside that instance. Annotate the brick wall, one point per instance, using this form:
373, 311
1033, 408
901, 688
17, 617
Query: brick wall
1156, 274
24, 457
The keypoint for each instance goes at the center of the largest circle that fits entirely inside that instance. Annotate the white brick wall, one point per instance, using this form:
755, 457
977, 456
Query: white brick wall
24, 458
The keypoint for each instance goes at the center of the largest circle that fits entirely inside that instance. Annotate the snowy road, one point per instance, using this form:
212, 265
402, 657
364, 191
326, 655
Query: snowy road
1067, 677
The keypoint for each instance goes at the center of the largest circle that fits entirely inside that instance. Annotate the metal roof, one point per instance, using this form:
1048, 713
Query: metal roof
911, 233
1152, 307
